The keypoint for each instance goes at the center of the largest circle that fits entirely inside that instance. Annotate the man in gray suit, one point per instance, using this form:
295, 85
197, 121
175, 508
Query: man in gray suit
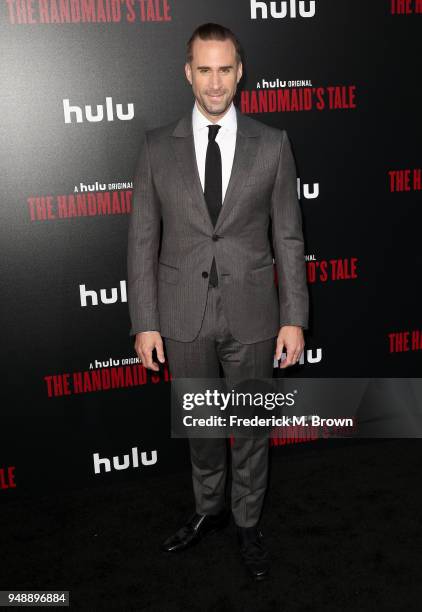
215, 180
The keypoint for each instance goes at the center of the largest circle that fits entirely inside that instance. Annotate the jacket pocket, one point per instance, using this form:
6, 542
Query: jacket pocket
262, 275
168, 274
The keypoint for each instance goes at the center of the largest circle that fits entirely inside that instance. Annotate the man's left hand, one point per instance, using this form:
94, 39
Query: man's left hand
291, 337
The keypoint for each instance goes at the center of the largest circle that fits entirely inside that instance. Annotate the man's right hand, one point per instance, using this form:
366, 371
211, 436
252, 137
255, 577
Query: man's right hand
145, 343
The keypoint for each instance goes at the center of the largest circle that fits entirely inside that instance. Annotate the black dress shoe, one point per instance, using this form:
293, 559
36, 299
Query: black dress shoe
254, 553
195, 529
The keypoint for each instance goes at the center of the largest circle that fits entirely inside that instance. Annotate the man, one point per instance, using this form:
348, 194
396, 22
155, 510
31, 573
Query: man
216, 179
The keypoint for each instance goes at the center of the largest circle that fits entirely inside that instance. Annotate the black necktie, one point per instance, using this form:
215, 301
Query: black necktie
213, 186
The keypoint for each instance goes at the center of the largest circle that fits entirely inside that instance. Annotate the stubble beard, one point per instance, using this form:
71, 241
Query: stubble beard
213, 110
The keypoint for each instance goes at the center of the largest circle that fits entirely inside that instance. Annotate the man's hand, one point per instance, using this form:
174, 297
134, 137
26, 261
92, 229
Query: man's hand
145, 343
291, 337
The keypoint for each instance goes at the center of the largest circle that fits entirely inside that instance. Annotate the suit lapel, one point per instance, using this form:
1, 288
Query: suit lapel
245, 152
184, 149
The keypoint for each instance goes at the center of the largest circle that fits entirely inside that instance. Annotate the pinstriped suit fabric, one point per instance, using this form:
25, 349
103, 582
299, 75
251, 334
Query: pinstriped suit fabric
166, 286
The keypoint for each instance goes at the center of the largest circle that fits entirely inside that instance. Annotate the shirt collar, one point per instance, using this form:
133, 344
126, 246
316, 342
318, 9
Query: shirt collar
228, 122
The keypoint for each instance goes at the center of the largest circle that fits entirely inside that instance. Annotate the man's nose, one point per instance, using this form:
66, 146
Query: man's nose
215, 80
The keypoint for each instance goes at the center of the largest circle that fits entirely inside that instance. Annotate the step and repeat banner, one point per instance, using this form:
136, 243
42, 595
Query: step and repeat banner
80, 82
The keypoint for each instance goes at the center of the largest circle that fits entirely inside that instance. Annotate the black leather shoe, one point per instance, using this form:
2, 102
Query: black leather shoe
254, 553
195, 529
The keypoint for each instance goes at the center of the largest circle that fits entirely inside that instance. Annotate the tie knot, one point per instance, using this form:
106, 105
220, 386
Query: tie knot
212, 131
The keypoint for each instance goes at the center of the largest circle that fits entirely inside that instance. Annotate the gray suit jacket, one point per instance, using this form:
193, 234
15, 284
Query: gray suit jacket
167, 287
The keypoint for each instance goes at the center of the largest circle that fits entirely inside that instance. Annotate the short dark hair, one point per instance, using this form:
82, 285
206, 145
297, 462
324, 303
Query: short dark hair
213, 31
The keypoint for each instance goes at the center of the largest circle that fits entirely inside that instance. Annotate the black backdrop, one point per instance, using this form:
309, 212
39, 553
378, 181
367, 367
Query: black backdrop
352, 146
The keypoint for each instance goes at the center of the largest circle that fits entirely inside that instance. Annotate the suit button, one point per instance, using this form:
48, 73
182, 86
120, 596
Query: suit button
215, 237
204, 274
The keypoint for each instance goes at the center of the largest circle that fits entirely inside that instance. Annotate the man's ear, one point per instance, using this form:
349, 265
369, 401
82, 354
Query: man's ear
188, 72
239, 71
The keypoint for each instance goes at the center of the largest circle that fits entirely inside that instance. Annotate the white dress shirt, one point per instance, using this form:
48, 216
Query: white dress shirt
226, 140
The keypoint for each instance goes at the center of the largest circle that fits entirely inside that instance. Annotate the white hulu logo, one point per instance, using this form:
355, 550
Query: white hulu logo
126, 462
105, 299
76, 110
292, 6
310, 356
306, 189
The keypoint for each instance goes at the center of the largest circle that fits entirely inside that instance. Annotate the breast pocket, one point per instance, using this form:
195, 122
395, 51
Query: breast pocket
261, 178
168, 274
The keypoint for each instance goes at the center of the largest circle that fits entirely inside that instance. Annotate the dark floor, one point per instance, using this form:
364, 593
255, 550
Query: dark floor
343, 522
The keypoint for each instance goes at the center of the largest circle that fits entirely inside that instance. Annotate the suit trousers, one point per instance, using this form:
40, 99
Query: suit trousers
201, 358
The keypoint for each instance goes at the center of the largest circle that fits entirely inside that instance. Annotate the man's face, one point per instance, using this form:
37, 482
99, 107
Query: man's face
214, 74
